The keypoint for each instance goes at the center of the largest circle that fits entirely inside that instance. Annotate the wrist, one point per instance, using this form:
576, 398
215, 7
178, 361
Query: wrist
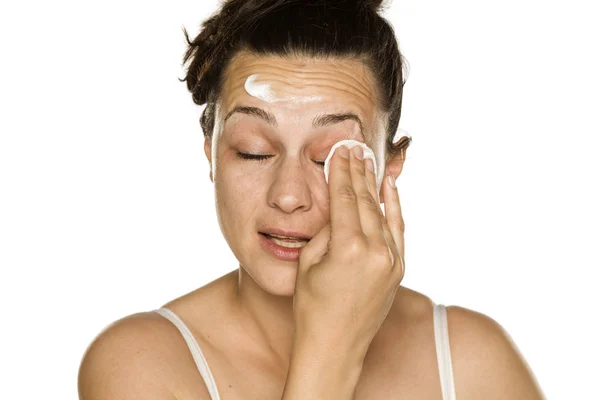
319, 373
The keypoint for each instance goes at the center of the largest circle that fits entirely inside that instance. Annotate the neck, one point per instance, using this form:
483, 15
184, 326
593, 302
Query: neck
267, 317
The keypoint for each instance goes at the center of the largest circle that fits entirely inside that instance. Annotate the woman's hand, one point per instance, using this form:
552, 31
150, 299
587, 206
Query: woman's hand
350, 271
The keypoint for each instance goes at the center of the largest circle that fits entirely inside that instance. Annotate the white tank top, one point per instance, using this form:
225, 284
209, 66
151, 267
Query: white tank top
442, 347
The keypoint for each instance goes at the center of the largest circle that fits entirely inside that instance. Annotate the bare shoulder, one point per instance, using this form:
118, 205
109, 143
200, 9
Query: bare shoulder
486, 363
485, 360
141, 356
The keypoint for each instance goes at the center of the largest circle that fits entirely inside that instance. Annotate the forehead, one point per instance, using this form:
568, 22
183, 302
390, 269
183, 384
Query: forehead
339, 84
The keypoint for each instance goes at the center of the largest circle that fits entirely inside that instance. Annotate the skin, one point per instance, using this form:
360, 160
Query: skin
243, 320
288, 190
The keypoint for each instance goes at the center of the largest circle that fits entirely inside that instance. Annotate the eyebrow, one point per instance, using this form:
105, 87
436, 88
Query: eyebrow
318, 122
255, 112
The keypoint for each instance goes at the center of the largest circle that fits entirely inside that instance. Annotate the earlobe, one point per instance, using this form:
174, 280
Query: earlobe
208, 154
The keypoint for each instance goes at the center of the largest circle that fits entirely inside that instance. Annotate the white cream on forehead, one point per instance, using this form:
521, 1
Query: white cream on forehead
367, 153
264, 92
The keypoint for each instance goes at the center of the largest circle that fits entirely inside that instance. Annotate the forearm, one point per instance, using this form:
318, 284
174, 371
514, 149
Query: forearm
322, 374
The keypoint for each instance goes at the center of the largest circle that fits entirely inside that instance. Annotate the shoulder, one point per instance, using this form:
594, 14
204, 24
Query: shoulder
485, 360
137, 357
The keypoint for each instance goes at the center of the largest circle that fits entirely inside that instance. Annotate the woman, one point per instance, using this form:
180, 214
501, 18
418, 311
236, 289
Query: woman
315, 309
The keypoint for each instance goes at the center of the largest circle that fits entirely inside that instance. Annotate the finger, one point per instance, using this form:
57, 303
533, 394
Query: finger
389, 238
315, 250
343, 207
393, 216
372, 185
372, 181
368, 208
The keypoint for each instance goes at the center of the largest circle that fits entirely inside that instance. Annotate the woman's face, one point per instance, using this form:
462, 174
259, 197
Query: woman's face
292, 110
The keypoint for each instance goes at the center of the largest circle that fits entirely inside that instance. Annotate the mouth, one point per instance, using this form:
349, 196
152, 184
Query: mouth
288, 242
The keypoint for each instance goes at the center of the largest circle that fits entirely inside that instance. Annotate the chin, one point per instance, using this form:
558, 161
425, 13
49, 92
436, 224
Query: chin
275, 278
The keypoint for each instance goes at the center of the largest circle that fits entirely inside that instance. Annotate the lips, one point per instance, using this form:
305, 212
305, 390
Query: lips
284, 234
285, 239
280, 249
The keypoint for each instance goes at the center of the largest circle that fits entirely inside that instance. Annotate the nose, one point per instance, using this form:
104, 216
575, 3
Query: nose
291, 187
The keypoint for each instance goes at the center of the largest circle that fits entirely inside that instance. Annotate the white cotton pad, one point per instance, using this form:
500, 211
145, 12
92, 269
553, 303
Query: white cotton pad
367, 153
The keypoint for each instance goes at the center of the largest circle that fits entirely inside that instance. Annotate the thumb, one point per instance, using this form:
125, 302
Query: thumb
314, 251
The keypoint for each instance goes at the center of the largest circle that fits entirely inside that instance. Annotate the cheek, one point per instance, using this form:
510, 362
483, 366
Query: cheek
236, 187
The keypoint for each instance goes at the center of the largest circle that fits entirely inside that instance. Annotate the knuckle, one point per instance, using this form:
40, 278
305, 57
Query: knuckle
399, 270
342, 165
354, 247
397, 224
359, 166
369, 201
398, 267
347, 193
383, 256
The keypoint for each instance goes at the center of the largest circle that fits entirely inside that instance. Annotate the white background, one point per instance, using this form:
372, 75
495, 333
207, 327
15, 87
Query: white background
107, 207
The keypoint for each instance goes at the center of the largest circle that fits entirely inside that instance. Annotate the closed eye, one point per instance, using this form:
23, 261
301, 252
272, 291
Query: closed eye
261, 157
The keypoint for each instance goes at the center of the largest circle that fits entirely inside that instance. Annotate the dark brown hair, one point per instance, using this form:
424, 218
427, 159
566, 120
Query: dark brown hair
318, 28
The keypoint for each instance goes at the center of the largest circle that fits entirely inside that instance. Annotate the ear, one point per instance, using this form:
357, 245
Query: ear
208, 153
393, 167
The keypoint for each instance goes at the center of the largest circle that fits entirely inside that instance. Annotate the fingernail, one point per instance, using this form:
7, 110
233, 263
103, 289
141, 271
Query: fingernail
392, 181
358, 152
344, 152
369, 163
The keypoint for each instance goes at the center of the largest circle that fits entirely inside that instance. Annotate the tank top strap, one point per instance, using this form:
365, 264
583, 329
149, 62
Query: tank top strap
197, 354
442, 347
